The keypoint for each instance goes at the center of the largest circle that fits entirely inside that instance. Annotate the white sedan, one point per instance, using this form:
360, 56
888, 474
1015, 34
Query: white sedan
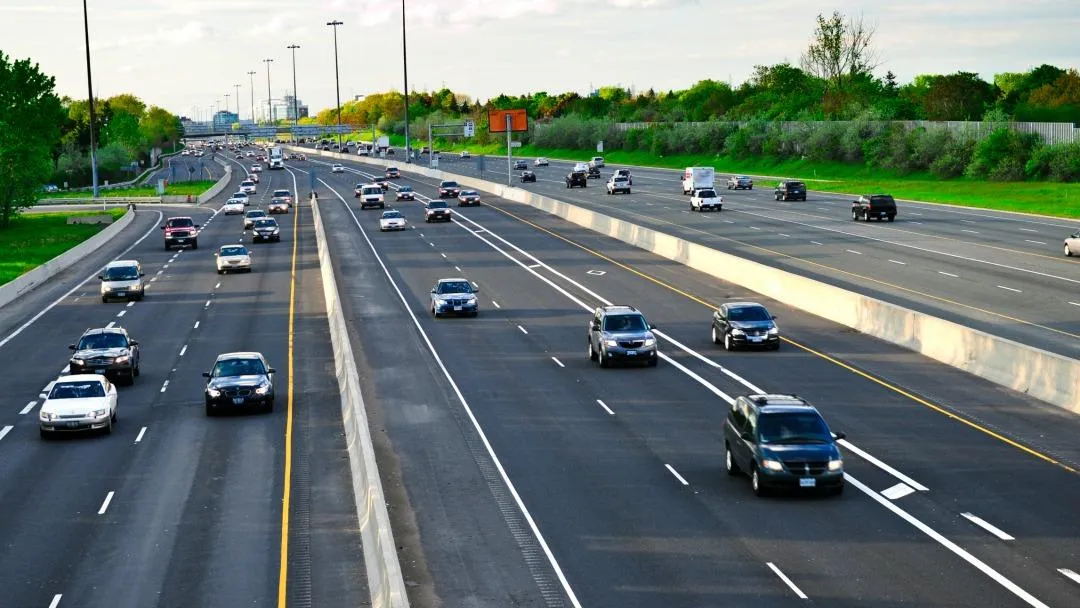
256, 168
337, 168
247, 187
541, 162
83, 402
233, 257
392, 220
465, 154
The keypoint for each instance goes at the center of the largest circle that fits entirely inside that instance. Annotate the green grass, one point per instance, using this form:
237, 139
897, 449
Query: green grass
175, 188
35, 238
1047, 198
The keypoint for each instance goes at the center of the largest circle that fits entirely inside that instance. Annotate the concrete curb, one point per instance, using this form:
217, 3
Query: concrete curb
20, 285
385, 580
1044, 375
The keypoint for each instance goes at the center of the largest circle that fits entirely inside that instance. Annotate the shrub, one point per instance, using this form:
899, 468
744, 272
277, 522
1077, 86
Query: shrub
1002, 147
954, 159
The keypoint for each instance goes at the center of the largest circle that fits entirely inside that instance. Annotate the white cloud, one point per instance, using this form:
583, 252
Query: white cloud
37, 8
190, 32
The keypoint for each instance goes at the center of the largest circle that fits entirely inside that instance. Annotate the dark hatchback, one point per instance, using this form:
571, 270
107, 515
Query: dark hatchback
782, 442
238, 381
528, 176
744, 324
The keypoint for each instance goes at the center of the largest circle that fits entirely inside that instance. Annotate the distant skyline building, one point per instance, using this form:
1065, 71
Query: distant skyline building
291, 109
225, 119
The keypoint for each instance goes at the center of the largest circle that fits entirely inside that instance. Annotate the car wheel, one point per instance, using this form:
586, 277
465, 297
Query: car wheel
434, 312
775, 346
592, 354
1068, 252
46, 435
776, 197
728, 344
755, 483
838, 490
136, 371
854, 215
195, 245
892, 217
730, 465
268, 407
601, 359
209, 409
715, 336
167, 248
130, 379
104, 300
115, 415
692, 207
108, 427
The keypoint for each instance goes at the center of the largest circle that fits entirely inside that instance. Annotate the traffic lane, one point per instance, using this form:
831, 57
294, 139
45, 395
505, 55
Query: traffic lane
207, 531
501, 391
688, 434
49, 482
981, 490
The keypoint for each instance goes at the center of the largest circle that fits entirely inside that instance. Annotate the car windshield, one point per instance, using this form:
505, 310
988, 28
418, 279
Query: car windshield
96, 341
240, 195
468, 193
77, 390
181, 222
279, 201
282, 193
234, 250
121, 273
266, 223
389, 215
405, 189
795, 185
749, 313
449, 184
793, 427
256, 213
247, 183
437, 205
238, 367
624, 323
454, 287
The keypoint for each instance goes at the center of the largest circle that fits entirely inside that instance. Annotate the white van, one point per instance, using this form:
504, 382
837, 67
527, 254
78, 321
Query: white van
698, 178
122, 279
371, 195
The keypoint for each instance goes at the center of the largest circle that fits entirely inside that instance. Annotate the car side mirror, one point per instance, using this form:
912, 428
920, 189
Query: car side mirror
840, 435
432, 291
651, 326
198, 225
162, 227
101, 277
206, 374
271, 370
142, 274
71, 346
475, 288
133, 343
774, 317
595, 326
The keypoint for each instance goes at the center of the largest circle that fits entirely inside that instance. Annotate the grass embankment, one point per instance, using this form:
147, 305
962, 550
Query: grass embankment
1047, 198
176, 188
35, 238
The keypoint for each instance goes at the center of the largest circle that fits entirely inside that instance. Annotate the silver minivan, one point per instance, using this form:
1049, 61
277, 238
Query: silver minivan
122, 279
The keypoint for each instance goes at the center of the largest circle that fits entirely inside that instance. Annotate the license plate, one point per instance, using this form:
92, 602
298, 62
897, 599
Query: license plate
807, 482
457, 308
756, 338
121, 294
239, 400
73, 425
631, 353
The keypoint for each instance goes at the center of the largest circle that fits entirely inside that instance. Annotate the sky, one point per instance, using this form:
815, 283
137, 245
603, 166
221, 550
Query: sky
187, 55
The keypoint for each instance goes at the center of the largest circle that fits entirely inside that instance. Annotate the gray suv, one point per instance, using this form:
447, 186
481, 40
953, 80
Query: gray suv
621, 333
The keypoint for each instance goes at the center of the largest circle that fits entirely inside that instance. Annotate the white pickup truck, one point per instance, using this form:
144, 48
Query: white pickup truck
706, 199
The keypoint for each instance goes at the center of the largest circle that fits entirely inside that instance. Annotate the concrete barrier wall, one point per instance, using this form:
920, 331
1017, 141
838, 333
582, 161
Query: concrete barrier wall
1048, 376
385, 581
219, 186
20, 285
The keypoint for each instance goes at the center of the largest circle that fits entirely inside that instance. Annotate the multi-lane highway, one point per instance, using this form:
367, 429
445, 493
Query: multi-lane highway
1002, 273
183, 168
175, 508
532, 477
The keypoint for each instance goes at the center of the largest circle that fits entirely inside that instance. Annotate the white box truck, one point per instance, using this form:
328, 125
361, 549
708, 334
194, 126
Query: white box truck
277, 158
698, 178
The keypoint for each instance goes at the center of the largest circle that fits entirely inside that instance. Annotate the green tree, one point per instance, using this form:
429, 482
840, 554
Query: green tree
841, 50
159, 127
959, 96
30, 119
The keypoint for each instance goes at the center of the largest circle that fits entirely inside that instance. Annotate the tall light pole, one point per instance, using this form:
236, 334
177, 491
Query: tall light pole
296, 104
251, 77
90, 87
237, 87
269, 103
229, 126
337, 81
405, 69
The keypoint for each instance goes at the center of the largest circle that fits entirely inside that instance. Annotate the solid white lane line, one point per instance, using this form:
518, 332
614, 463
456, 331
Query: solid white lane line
676, 474
787, 581
557, 362
949, 274
139, 437
56, 600
29, 406
131, 303
822, 209
121, 313
1009, 289
913, 213
105, 505
971, 231
912, 222
754, 228
197, 324
183, 350
523, 330
884, 467
111, 323
815, 242
1075, 303
853, 251
1036, 242
729, 222
1069, 574
985, 525
495, 304
898, 262
948, 544
164, 386
4, 431
535, 265
898, 491
968, 221
606, 408
1028, 230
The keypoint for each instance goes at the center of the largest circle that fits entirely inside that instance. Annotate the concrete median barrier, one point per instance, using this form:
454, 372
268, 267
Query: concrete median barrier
217, 187
385, 580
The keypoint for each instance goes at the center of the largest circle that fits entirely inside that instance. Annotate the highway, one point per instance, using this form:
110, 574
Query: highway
174, 508
187, 168
1001, 273
531, 474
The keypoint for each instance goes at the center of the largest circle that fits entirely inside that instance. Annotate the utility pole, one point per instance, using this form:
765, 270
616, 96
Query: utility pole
405, 70
337, 80
269, 102
251, 76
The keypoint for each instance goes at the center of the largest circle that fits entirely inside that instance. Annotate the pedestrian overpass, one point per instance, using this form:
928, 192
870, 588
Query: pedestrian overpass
205, 130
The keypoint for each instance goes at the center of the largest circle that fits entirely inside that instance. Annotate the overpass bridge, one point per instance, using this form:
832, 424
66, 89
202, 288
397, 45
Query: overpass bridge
201, 130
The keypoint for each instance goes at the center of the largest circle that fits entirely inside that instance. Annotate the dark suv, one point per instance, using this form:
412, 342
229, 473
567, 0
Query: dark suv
448, 189
109, 351
875, 206
790, 191
577, 178
621, 333
781, 441
743, 324
239, 380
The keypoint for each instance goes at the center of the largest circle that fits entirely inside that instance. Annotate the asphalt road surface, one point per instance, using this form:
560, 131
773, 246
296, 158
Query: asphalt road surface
530, 477
175, 508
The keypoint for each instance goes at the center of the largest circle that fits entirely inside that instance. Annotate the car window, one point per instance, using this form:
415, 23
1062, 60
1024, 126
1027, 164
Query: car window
109, 340
238, 367
391, 214
794, 427
624, 323
236, 250
437, 205
405, 189
180, 222
706, 194
259, 213
748, 313
266, 223
77, 390
281, 193
449, 184
121, 273
454, 287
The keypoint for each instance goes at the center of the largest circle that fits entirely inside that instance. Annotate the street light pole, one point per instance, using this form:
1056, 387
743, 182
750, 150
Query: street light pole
229, 126
237, 87
251, 77
296, 104
337, 81
269, 102
405, 69
90, 86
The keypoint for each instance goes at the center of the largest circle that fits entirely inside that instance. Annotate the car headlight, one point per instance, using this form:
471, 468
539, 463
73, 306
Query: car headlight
99, 413
650, 341
137, 287
213, 392
737, 332
262, 390
123, 359
275, 231
611, 342
836, 465
773, 331
772, 465
49, 416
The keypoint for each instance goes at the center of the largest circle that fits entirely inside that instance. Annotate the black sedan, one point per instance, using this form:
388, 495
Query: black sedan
528, 176
239, 380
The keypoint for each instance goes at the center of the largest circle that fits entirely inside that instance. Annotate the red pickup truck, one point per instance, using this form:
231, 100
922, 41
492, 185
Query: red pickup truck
181, 231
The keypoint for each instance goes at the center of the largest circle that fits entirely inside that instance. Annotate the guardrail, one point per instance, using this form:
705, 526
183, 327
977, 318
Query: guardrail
1044, 375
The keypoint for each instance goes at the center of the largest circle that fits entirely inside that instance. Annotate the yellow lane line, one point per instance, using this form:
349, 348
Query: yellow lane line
283, 568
